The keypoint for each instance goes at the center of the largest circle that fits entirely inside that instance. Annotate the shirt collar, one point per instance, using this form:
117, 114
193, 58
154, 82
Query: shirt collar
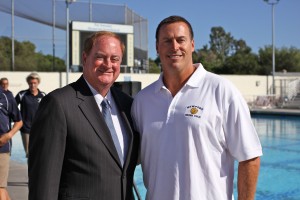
98, 97
197, 76
193, 81
159, 83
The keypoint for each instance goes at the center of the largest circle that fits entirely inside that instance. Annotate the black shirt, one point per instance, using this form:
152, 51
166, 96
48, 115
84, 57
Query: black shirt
29, 105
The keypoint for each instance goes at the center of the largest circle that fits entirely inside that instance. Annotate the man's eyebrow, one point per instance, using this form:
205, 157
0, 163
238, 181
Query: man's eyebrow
99, 53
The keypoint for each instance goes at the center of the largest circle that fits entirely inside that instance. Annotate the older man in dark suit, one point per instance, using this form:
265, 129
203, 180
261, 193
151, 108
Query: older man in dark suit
81, 143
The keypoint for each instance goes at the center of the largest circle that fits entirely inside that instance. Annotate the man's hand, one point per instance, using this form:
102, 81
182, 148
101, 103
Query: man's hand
4, 194
7, 136
4, 139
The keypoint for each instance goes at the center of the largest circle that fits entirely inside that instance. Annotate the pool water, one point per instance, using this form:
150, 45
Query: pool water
280, 165
279, 177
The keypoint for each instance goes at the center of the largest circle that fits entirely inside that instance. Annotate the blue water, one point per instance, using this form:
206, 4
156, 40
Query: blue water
280, 165
279, 177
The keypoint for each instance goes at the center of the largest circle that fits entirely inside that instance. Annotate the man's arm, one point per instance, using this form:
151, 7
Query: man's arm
6, 137
247, 178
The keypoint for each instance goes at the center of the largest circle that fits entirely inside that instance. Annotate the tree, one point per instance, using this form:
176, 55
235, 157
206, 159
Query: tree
45, 63
26, 59
288, 59
153, 67
227, 55
221, 43
240, 46
285, 59
5, 53
240, 63
207, 57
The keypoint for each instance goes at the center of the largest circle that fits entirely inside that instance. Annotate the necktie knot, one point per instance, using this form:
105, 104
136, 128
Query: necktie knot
105, 110
104, 103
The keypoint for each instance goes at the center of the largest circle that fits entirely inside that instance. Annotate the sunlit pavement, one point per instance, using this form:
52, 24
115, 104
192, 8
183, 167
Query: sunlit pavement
18, 181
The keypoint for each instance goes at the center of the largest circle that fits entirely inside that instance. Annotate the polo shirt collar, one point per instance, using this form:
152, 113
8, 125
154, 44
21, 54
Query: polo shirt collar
194, 80
197, 76
159, 84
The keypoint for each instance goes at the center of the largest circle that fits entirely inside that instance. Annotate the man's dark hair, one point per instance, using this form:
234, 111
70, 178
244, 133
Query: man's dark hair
170, 20
3, 79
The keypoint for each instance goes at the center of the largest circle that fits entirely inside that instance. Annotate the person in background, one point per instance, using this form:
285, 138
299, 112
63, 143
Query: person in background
193, 125
29, 101
4, 83
82, 145
8, 112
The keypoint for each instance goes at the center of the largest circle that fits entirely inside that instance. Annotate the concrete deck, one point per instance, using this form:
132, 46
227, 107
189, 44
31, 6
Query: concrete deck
18, 181
275, 111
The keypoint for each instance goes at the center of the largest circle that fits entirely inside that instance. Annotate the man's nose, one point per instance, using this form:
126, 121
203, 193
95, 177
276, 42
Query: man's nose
107, 62
175, 45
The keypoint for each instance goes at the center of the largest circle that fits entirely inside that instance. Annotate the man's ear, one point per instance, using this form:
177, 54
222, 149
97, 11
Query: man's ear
83, 58
193, 45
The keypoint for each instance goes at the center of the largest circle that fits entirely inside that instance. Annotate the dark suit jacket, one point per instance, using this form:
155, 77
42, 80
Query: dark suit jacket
72, 154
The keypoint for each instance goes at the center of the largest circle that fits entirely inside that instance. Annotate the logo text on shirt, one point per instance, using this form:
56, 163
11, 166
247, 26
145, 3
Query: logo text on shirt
193, 111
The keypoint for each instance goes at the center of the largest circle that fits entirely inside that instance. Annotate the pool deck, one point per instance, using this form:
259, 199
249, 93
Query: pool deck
18, 178
18, 181
275, 111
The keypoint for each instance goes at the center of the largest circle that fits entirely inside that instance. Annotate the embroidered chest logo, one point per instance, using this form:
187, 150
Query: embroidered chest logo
193, 111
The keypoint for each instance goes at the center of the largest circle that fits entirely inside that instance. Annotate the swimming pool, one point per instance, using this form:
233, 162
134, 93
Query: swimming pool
280, 165
279, 177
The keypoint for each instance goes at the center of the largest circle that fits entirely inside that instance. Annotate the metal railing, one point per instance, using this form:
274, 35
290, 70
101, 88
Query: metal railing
293, 89
288, 98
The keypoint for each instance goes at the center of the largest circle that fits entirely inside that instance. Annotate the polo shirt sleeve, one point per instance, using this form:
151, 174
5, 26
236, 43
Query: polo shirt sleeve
241, 137
13, 110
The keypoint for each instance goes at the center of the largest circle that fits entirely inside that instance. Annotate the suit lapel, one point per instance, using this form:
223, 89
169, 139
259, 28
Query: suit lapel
91, 111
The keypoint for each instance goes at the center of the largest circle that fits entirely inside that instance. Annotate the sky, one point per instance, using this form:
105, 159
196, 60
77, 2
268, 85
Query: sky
250, 20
